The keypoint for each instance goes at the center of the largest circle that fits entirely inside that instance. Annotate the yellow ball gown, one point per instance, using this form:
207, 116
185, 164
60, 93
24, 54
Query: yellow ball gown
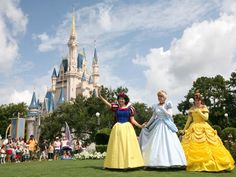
203, 148
123, 149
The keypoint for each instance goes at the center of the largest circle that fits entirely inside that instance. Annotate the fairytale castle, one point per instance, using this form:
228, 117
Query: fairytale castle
72, 79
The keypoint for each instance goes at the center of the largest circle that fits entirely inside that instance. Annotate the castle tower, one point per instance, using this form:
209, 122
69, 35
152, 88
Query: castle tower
72, 63
33, 116
95, 73
83, 82
54, 80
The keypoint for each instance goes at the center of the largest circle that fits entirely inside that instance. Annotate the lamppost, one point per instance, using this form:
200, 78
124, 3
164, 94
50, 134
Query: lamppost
191, 100
227, 118
98, 117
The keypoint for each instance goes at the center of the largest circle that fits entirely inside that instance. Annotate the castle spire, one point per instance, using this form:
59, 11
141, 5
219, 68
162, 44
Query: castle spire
95, 57
73, 30
33, 104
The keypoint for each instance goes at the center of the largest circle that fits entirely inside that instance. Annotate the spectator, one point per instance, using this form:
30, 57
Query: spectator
43, 150
57, 148
3, 155
50, 152
32, 146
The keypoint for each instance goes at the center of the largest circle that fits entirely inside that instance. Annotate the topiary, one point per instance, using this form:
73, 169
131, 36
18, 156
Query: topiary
101, 148
102, 136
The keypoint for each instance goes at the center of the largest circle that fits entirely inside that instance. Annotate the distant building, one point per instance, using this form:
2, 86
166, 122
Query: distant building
72, 79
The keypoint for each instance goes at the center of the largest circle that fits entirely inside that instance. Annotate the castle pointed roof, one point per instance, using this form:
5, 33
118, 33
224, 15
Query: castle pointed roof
83, 77
49, 101
90, 80
54, 73
73, 30
95, 57
84, 53
80, 60
62, 96
34, 103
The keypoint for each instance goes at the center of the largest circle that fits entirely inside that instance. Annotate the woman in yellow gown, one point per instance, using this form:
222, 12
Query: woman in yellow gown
203, 148
123, 150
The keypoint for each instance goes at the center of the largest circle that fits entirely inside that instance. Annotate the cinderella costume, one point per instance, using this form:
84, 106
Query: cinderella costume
159, 142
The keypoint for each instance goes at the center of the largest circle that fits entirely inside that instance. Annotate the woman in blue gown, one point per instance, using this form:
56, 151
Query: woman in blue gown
159, 142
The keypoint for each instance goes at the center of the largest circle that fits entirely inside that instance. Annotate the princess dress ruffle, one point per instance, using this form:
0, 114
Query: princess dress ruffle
159, 142
123, 149
203, 148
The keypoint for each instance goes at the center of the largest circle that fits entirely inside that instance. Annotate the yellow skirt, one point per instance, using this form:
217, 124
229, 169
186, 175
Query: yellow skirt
204, 149
123, 150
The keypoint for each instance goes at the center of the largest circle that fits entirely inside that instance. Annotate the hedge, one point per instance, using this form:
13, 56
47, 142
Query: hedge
102, 136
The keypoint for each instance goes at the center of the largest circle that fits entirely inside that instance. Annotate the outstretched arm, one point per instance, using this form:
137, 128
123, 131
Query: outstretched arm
103, 99
133, 121
150, 120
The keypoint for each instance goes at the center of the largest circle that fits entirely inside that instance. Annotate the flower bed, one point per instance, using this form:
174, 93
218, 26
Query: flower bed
86, 155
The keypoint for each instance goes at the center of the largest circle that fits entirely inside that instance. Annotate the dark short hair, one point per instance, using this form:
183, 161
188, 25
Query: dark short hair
123, 95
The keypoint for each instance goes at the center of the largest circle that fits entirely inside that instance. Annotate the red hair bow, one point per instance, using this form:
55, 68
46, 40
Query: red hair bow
122, 94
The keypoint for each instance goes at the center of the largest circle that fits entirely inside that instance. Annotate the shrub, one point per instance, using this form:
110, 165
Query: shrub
102, 136
217, 128
229, 138
227, 131
101, 148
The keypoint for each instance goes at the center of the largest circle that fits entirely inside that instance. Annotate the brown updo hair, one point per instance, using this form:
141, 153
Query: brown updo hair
198, 96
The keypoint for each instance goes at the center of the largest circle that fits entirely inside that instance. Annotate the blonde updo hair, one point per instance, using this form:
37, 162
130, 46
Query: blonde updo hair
162, 93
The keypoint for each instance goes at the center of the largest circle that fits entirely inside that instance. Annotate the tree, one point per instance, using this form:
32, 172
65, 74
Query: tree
10, 111
143, 114
214, 92
180, 120
81, 115
231, 100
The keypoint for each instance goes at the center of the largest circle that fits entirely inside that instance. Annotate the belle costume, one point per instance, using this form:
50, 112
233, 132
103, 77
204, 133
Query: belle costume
203, 148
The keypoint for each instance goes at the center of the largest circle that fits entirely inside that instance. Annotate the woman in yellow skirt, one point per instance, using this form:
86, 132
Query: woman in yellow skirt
123, 150
203, 148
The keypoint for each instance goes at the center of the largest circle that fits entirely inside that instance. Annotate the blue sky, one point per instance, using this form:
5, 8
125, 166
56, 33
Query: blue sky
142, 45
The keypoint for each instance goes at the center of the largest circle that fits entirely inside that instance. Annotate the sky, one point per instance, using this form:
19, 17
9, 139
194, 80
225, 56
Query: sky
144, 45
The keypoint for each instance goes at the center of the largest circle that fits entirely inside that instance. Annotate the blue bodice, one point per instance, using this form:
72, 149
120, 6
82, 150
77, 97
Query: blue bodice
122, 115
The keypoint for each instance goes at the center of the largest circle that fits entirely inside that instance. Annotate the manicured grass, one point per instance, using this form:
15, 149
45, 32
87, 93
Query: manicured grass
91, 168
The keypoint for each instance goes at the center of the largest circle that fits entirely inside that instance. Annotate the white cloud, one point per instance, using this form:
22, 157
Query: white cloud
18, 90
228, 6
105, 18
105, 21
206, 48
20, 96
12, 23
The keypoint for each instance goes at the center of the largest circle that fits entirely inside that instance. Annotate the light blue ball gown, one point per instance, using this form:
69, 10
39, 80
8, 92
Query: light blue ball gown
159, 142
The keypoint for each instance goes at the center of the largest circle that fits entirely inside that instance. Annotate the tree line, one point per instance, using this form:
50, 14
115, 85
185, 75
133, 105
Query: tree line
219, 95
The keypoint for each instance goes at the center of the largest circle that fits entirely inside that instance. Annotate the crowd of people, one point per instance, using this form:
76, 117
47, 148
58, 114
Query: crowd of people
19, 150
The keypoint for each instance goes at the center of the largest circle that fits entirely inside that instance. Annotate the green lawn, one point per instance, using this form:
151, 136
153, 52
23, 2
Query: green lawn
90, 168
